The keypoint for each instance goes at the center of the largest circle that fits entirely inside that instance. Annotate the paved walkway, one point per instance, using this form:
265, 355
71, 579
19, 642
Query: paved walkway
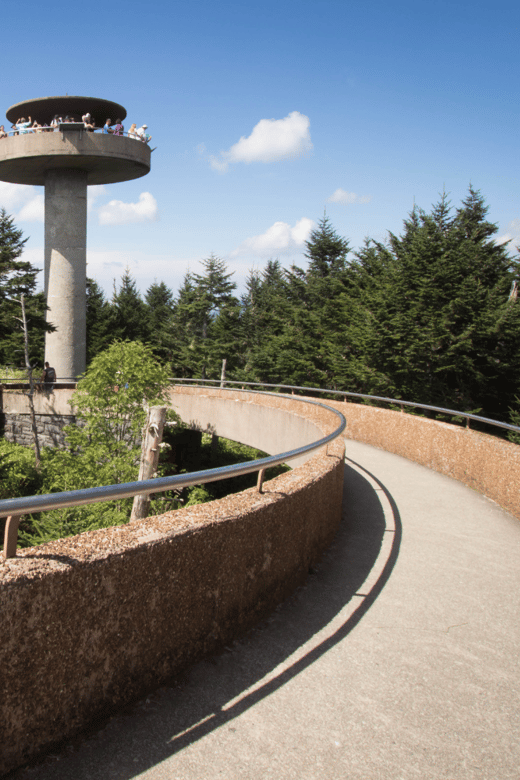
398, 659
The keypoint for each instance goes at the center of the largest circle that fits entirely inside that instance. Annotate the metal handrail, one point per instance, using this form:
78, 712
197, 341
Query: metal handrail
27, 504
38, 130
453, 412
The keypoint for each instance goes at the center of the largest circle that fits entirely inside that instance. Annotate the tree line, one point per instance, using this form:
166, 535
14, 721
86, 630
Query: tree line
429, 315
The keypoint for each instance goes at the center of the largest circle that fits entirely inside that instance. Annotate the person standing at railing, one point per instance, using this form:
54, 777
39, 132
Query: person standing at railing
107, 129
56, 122
88, 122
118, 129
132, 133
3, 134
22, 126
143, 135
48, 376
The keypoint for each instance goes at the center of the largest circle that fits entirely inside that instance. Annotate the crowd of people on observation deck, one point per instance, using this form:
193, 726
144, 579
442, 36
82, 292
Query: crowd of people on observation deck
23, 126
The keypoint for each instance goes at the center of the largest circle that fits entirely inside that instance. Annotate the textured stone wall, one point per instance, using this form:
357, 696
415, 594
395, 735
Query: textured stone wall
90, 622
18, 429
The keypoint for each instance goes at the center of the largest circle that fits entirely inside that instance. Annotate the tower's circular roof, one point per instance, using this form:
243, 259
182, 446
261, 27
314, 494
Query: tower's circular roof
44, 109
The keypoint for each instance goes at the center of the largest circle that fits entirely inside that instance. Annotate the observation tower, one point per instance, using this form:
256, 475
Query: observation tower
65, 160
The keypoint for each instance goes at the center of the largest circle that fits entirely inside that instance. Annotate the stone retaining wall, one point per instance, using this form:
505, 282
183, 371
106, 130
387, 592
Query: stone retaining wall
52, 413
91, 622
18, 429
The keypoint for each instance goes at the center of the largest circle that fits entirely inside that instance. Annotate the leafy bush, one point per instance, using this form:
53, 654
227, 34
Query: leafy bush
18, 475
7, 372
514, 419
111, 401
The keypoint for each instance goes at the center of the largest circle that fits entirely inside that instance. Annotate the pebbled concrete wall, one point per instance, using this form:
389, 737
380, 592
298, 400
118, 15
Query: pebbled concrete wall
91, 622
482, 462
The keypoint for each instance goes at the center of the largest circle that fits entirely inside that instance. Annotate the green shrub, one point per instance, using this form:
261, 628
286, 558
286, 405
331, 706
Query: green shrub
18, 475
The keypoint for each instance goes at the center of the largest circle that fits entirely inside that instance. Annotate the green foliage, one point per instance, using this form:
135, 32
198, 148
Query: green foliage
7, 372
203, 301
110, 402
226, 453
112, 396
18, 276
127, 311
100, 332
514, 419
18, 474
198, 494
326, 251
441, 328
429, 315
159, 320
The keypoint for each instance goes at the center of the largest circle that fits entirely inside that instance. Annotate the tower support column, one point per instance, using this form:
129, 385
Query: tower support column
65, 270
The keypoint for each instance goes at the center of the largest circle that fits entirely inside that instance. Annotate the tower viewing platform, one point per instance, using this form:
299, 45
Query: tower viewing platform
65, 159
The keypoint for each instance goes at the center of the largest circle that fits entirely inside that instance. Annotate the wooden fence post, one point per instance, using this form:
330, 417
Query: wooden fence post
152, 437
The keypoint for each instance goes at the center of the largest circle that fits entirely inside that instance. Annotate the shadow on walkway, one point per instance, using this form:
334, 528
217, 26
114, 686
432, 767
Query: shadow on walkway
217, 690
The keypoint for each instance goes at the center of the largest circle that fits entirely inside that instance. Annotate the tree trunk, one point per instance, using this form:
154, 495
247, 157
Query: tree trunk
152, 437
31, 385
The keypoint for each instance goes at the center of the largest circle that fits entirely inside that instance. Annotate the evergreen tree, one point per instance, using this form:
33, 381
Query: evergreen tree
18, 276
159, 303
127, 311
443, 331
99, 326
326, 251
200, 300
318, 320
185, 325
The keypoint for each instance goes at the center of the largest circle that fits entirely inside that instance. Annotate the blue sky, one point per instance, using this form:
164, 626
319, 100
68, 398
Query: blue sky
265, 114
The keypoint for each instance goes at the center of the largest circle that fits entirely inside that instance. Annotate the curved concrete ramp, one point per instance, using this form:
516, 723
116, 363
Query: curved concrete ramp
397, 660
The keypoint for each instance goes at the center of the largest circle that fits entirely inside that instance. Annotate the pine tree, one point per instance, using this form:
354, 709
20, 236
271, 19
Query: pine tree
442, 329
318, 319
99, 326
185, 326
159, 303
128, 313
18, 276
201, 299
326, 251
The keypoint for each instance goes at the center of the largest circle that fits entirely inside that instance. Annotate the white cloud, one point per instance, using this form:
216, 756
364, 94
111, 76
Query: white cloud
512, 234
93, 193
23, 202
33, 210
11, 195
118, 213
107, 265
271, 140
342, 196
278, 239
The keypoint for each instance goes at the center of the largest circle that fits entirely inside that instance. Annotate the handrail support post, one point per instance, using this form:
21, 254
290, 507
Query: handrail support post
260, 481
11, 536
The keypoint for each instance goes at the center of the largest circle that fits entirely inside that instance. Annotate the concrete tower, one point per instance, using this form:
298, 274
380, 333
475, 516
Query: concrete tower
65, 162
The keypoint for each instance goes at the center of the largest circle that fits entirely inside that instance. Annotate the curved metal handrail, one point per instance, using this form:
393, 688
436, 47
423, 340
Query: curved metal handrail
27, 504
63, 128
453, 412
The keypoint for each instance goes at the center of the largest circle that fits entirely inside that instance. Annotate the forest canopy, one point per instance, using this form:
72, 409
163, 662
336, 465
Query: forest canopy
429, 315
